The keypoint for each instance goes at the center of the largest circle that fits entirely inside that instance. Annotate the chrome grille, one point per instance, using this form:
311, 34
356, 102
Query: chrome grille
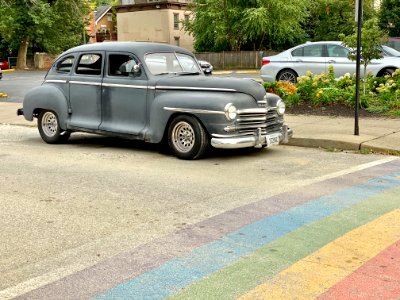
249, 120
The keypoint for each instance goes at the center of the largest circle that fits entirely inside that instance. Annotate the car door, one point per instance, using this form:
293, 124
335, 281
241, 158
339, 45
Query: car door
124, 98
85, 91
309, 58
338, 58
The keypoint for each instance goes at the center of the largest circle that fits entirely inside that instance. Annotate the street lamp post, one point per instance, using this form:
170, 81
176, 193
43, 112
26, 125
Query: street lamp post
359, 13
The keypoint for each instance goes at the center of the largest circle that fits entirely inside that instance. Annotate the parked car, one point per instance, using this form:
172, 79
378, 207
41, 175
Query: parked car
206, 67
4, 63
161, 96
316, 57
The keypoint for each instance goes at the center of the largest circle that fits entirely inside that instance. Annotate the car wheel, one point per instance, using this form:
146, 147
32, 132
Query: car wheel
187, 137
49, 128
387, 72
287, 75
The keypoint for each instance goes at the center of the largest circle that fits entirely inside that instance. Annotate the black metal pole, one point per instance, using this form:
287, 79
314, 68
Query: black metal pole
358, 64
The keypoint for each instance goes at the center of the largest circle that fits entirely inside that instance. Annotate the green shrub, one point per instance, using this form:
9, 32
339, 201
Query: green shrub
381, 94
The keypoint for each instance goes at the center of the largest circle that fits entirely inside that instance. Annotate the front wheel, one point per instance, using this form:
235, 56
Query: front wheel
49, 128
187, 137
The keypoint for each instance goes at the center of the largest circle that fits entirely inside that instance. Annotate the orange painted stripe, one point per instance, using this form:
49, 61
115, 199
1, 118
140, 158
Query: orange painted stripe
378, 279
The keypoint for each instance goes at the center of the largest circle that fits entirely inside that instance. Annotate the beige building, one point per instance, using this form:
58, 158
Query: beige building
154, 21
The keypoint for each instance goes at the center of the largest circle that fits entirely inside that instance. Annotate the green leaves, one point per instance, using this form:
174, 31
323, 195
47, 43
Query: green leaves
329, 18
50, 25
371, 41
240, 24
389, 17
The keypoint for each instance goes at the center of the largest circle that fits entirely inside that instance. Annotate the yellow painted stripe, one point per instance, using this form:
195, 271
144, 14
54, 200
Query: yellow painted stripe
316, 273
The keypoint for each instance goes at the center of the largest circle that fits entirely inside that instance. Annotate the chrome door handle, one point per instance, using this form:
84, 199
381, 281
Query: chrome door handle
331, 61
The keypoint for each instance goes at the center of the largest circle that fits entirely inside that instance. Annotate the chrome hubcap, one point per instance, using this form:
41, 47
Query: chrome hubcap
49, 124
287, 76
183, 137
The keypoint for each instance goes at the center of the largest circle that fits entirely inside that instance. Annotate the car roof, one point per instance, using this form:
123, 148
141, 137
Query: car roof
322, 42
140, 48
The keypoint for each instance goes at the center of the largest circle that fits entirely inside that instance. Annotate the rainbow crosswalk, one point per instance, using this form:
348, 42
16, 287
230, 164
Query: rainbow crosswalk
341, 245
335, 238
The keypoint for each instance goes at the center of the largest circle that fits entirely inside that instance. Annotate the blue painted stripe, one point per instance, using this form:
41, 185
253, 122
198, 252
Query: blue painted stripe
177, 273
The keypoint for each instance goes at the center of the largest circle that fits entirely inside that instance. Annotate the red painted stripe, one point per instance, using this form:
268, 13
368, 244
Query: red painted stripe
379, 278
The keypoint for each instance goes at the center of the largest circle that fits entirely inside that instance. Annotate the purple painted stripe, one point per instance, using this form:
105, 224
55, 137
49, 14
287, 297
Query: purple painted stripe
107, 274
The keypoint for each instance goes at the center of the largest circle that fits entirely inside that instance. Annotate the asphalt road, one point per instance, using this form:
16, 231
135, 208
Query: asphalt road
67, 209
16, 84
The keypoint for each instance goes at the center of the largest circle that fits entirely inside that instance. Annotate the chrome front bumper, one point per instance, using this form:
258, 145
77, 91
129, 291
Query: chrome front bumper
257, 140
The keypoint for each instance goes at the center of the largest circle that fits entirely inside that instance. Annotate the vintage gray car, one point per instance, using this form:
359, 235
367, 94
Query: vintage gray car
155, 93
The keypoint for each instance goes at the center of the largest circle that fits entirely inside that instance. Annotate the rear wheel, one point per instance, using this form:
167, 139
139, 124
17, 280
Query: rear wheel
187, 137
49, 128
387, 72
287, 75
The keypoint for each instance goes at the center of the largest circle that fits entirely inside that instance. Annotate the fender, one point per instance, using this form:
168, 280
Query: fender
207, 107
46, 97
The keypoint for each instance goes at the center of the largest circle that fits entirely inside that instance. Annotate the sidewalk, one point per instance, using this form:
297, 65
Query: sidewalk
377, 135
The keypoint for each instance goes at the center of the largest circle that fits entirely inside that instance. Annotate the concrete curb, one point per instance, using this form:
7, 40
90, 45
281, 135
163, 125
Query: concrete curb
8, 70
324, 143
340, 146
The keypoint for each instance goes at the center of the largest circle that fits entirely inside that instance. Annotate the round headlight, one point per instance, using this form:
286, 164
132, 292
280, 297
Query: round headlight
280, 107
230, 112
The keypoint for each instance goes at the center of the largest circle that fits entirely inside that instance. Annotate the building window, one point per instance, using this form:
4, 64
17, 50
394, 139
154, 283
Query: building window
109, 17
176, 21
177, 41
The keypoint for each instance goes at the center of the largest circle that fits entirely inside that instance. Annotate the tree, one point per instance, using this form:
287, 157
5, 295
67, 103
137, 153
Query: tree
53, 25
237, 24
329, 18
371, 41
389, 17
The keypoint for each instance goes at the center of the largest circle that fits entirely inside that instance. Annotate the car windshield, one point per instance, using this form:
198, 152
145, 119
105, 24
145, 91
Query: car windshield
171, 63
390, 51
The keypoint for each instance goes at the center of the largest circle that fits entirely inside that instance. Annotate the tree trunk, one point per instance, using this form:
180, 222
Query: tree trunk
22, 53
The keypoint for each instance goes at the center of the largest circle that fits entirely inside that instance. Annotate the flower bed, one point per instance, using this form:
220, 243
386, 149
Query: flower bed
377, 94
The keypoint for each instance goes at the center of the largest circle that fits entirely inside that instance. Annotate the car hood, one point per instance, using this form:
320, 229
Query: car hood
216, 84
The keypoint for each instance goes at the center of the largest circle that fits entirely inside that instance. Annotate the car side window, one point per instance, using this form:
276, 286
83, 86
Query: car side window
337, 51
89, 64
65, 64
298, 52
122, 65
313, 50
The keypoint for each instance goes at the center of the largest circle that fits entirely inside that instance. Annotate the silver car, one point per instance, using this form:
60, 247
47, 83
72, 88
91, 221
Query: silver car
315, 57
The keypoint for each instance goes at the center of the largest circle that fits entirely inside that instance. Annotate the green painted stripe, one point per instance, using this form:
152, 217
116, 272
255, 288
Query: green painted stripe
266, 262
